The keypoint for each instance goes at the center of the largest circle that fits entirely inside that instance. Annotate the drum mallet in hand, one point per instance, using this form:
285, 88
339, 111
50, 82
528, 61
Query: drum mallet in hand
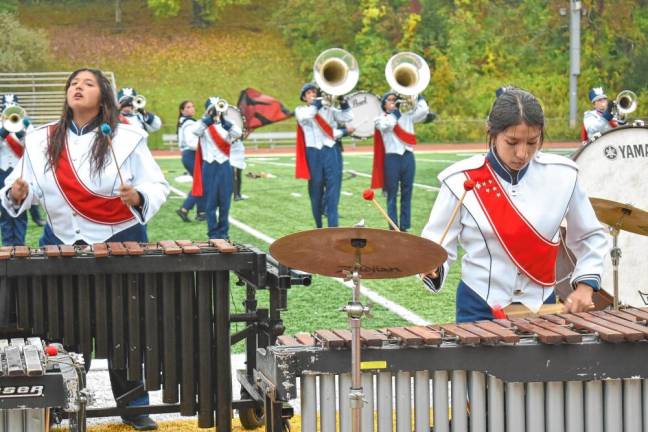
106, 131
468, 185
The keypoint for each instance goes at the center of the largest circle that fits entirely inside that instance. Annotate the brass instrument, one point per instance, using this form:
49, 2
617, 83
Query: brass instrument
625, 102
408, 75
12, 118
217, 107
139, 102
336, 73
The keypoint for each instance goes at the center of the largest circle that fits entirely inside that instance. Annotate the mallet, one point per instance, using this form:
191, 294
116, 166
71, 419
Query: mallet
106, 131
369, 194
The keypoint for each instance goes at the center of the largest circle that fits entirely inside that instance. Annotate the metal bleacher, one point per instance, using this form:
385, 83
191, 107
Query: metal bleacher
41, 94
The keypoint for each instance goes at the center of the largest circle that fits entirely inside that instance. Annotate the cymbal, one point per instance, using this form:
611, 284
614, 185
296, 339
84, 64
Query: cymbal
386, 254
622, 216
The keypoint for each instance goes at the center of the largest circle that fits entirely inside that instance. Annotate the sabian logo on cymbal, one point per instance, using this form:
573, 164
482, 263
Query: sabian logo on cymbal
628, 151
370, 269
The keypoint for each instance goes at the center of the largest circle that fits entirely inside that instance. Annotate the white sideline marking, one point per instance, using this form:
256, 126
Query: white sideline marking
345, 193
296, 194
393, 307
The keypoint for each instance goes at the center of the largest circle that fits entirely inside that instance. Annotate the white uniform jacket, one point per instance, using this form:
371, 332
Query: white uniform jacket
137, 167
186, 139
385, 123
210, 150
547, 193
313, 134
594, 123
150, 122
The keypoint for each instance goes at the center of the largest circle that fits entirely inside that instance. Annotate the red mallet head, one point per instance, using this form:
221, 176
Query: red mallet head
368, 194
498, 312
469, 185
51, 351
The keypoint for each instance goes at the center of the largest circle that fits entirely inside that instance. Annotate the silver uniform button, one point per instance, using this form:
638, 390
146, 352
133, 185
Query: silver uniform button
518, 292
78, 231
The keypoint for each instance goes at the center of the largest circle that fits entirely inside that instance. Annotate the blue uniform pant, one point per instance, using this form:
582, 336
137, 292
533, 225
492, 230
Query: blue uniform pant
13, 229
118, 377
324, 186
400, 170
471, 307
217, 185
188, 160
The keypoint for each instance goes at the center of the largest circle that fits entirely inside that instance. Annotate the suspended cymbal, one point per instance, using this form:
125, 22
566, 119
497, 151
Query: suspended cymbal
622, 216
386, 254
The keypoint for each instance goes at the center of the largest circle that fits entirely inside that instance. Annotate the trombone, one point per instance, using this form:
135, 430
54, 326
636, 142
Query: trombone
12, 118
408, 75
336, 73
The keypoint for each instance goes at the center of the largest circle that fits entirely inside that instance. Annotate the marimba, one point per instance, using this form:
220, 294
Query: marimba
164, 306
566, 372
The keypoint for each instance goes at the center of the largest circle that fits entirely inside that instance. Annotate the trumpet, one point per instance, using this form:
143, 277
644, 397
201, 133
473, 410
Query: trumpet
12, 118
218, 106
336, 73
625, 103
408, 75
139, 102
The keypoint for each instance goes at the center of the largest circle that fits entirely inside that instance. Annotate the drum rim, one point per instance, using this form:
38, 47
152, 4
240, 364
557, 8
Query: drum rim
244, 128
574, 156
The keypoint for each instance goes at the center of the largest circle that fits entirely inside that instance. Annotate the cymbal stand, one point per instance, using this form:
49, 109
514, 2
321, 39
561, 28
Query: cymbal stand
615, 253
355, 311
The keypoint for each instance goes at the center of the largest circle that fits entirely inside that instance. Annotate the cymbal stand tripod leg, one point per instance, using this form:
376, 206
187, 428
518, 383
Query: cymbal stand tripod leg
355, 310
616, 255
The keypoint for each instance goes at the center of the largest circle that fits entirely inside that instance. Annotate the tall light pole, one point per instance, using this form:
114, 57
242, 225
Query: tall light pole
574, 59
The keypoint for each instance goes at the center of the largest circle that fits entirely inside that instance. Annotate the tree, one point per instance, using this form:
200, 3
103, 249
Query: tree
203, 12
23, 49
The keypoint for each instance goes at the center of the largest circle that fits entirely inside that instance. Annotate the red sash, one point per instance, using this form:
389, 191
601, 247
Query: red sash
222, 144
301, 164
404, 136
323, 124
534, 255
378, 172
15, 145
101, 209
197, 186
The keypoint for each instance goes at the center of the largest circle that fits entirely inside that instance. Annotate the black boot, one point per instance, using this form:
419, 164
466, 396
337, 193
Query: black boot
238, 179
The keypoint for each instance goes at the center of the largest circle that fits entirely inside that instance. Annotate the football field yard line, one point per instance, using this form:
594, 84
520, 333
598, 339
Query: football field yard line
351, 171
393, 307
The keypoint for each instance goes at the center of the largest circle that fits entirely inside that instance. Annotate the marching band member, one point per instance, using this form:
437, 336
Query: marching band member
188, 142
13, 229
600, 119
509, 222
70, 168
318, 161
212, 171
394, 163
139, 117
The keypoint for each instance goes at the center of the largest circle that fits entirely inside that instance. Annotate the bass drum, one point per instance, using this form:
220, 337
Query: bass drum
614, 166
366, 108
237, 150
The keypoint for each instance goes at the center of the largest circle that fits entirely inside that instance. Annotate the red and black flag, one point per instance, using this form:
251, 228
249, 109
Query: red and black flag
261, 110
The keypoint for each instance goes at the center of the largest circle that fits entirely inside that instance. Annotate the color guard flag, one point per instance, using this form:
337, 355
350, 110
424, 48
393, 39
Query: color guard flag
261, 110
